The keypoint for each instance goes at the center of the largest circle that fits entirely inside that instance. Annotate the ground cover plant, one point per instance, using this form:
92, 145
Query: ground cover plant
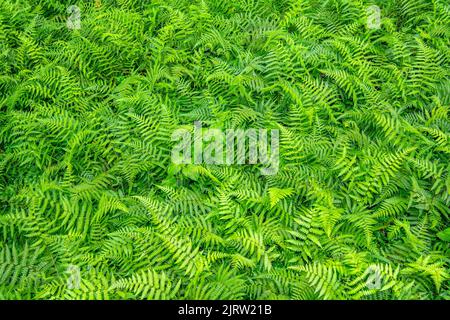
93, 207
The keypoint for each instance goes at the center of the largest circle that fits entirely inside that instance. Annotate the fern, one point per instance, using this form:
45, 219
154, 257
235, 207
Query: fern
86, 177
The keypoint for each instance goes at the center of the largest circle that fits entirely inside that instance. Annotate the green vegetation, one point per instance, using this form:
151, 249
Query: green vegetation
86, 177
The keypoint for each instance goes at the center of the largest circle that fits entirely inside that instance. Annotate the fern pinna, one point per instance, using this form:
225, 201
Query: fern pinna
87, 182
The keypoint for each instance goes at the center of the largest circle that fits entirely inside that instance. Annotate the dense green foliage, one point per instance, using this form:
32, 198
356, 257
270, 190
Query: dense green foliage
86, 177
